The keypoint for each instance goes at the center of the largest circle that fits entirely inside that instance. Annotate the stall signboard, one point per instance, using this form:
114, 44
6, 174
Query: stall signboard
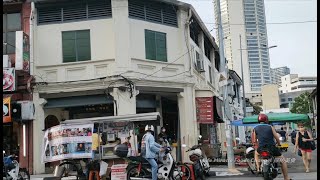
22, 51
7, 110
9, 79
119, 172
204, 106
67, 142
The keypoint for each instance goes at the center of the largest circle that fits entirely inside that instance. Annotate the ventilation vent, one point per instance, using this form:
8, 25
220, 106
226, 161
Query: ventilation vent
153, 12
74, 11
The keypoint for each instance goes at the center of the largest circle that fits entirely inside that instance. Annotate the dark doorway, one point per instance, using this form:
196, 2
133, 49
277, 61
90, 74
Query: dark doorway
170, 116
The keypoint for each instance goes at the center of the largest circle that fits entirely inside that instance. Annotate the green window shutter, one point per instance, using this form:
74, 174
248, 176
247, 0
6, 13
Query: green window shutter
83, 45
69, 46
161, 46
150, 43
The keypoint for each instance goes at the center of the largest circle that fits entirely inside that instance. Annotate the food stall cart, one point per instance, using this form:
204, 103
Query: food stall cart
113, 130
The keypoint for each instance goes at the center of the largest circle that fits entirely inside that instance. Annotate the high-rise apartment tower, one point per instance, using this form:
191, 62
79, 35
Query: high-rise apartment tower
246, 18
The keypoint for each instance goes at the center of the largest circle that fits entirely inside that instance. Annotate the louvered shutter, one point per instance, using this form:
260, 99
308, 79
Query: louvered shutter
161, 46
150, 43
83, 45
69, 46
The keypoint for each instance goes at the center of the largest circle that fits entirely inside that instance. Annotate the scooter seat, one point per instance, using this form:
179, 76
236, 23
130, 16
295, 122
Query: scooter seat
138, 159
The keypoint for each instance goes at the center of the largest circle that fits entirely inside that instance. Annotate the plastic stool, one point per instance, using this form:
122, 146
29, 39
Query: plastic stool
93, 174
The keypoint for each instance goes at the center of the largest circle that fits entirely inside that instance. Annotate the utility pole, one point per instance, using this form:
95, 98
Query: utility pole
230, 152
243, 94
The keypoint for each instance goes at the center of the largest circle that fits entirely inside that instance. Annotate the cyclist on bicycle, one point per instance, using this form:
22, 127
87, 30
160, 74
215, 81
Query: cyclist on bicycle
265, 134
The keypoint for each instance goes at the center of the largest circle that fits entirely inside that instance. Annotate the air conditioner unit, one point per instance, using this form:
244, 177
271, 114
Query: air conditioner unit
27, 110
6, 61
199, 61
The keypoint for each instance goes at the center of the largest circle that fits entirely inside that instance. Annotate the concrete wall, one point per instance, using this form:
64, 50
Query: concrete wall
270, 97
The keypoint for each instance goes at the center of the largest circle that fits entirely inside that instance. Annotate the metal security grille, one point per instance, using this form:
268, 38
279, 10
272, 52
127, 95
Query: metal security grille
73, 11
153, 12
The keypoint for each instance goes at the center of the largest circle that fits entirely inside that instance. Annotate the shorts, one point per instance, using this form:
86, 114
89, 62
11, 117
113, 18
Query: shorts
272, 149
306, 150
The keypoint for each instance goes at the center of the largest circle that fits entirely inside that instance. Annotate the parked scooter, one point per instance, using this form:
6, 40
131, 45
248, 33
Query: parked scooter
12, 170
201, 164
270, 168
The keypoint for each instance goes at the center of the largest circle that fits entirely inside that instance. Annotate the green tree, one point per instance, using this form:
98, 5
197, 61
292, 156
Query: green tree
301, 104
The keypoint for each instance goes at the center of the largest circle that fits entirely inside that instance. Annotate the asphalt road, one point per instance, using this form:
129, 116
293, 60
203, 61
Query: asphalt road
295, 168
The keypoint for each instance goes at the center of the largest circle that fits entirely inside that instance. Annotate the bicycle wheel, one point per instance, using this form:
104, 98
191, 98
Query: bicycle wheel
23, 174
69, 169
181, 171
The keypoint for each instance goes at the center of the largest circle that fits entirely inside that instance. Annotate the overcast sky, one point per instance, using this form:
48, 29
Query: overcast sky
297, 43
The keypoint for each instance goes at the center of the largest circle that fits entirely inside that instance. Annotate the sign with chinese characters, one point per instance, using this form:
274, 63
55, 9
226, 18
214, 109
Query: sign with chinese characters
22, 51
67, 142
9, 79
204, 107
6, 110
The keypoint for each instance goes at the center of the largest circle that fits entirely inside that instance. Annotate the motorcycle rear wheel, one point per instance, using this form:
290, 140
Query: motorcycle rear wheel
133, 172
266, 176
23, 174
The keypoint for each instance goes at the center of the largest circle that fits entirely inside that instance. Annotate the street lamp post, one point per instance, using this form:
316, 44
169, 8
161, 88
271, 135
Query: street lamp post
243, 95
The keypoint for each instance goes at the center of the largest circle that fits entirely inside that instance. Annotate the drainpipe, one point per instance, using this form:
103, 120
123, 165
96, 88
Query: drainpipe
187, 40
31, 38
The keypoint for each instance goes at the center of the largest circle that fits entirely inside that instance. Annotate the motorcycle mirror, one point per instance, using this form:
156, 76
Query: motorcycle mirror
183, 145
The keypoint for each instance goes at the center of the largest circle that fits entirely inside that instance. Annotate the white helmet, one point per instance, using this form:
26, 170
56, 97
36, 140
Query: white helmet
197, 152
249, 149
149, 128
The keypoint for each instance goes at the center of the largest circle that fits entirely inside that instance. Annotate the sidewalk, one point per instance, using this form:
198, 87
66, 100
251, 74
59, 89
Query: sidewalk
222, 170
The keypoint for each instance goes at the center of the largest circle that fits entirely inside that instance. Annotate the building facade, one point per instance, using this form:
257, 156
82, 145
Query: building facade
293, 83
111, 57
277, 73
17, 83
246, 18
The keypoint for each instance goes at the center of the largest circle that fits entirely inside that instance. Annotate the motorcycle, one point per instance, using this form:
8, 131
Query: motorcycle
270, 168
201, 164
139, 167
12, 170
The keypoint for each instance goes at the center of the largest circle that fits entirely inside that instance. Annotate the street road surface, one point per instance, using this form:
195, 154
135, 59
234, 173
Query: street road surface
295, 168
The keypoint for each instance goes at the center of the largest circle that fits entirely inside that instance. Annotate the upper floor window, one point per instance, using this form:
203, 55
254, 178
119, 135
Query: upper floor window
11, 23
73, 11
156, 45
76, 46
153, 12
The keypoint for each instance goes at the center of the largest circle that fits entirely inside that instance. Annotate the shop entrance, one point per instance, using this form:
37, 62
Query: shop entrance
170, 116
11, 138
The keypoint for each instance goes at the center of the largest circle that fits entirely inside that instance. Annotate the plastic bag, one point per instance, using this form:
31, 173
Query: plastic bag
103, 168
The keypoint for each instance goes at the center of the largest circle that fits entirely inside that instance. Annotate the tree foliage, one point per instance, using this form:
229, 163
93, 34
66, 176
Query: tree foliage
302, 104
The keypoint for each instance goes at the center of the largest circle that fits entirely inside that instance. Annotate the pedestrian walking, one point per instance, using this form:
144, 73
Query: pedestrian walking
303, 142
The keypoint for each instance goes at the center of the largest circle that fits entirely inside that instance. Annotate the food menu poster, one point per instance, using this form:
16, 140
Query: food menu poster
67, 142
7, 110
9, 79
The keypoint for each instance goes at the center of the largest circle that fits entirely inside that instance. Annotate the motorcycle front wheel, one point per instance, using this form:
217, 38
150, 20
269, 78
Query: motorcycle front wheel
23, 174
133, 172
181, 171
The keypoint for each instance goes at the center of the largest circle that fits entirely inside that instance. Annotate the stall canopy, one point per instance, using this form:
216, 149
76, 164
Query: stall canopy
278, 117
240, 123
131, 117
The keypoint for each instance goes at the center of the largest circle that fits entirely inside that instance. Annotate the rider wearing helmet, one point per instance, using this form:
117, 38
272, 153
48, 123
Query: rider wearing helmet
149, 148
265, 134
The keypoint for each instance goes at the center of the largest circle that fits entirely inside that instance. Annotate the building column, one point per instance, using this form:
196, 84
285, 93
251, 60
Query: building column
121, 25
38, 134
188, 122
123, 103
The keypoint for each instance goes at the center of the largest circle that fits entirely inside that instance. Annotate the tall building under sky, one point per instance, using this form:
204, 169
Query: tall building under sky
246, 18
277, 73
